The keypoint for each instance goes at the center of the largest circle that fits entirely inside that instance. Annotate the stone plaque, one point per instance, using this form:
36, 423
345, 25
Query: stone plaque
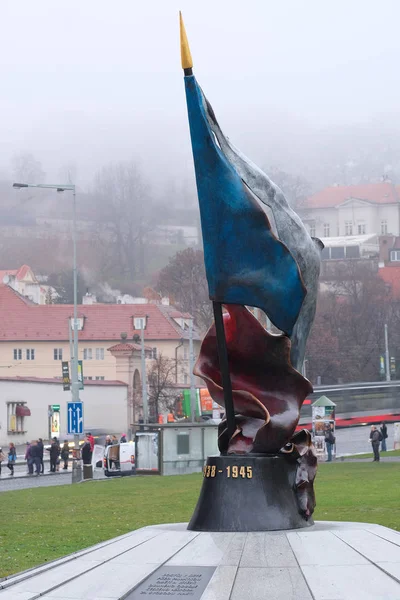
174, 582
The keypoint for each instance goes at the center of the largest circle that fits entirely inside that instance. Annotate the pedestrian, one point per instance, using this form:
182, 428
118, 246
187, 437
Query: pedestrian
114, 440
41, 449
54, 455
108, 441
2, 457
27, 456
384, 434
12, 457
34, 458
65, 454
123, 438
329, 440
375, 441
91, 441
86, 452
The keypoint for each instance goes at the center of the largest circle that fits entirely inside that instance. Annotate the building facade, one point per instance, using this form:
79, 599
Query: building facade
353, 210
31, 408
35, 339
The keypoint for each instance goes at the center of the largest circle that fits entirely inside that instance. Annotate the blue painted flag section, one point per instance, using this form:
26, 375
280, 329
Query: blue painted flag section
245, 263
75, 417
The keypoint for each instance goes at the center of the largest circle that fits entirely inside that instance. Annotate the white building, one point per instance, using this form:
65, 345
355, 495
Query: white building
353, 210
24, 282
27, 408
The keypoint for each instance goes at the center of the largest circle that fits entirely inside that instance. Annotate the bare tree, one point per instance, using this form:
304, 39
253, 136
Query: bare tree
348, 334
124, 205
295, 187
161, 378
184, 280
26, 169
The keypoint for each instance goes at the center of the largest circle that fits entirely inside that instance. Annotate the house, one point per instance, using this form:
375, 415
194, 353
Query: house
35, 339
24, 282
353, 210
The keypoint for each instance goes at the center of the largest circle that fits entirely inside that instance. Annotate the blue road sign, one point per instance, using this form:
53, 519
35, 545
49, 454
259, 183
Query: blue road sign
75, 417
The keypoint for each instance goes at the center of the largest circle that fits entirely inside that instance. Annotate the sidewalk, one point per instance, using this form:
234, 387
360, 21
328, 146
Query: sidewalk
21, 471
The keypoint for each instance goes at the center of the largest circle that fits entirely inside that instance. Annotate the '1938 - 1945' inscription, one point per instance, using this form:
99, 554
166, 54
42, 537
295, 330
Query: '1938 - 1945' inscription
231, 471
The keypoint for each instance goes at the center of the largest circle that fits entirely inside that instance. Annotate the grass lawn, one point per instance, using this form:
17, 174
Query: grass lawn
42, 524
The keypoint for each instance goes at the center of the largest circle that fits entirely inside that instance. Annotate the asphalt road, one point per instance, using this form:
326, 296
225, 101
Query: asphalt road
356, 439
348, 441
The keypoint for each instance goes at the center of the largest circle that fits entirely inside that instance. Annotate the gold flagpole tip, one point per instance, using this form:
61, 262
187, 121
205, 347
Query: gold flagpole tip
186, 57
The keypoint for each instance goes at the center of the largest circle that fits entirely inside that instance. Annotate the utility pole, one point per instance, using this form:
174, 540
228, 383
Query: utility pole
76, 464
191, 366
144, 374
387, 359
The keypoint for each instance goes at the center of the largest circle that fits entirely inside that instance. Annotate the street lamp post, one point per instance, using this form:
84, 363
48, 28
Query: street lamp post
76, 465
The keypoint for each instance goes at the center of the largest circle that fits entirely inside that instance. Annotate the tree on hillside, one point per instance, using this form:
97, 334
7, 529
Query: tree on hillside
162, 394
348, 335
295, 187
184, 280
63, 283
26, 169
125, 206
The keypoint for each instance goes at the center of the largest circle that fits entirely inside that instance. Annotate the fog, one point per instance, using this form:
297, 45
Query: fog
302, 85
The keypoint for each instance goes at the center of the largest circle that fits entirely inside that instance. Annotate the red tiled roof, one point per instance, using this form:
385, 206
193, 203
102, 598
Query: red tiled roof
18, 273
22, 320
103, 382
377, 193
391, 276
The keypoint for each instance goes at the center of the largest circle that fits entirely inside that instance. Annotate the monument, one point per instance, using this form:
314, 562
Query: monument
251, 535
269, 262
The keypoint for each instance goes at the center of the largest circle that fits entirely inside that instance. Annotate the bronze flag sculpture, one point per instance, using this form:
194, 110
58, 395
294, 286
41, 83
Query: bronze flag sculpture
263, 478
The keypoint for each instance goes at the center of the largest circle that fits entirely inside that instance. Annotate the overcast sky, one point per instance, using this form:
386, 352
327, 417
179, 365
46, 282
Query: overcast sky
91, 81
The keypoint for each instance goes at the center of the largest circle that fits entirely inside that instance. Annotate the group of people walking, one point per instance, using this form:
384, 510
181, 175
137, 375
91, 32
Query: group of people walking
35, 451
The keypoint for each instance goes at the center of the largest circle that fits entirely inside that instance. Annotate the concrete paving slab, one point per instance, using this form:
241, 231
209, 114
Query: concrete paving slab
328, 561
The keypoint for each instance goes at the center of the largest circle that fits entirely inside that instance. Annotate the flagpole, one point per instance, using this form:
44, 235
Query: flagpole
187, 66
224, 368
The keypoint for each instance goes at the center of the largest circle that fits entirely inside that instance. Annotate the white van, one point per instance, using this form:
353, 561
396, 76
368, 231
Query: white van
119, 460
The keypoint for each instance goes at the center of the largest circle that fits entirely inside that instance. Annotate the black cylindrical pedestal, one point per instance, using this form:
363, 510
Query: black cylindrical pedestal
248, 493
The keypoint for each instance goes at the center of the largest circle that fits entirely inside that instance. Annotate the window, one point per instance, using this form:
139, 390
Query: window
325, 254
182, 443
16, 413
139, 322
384, 227
57, 353
87, 354
88, 378
79, 322
348, 228
30, 354
185, 353
154, 353
337, 252
327, 230
99, 377
361, 228
394, 256
17, 354
311, 226
99, 353
353, 252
